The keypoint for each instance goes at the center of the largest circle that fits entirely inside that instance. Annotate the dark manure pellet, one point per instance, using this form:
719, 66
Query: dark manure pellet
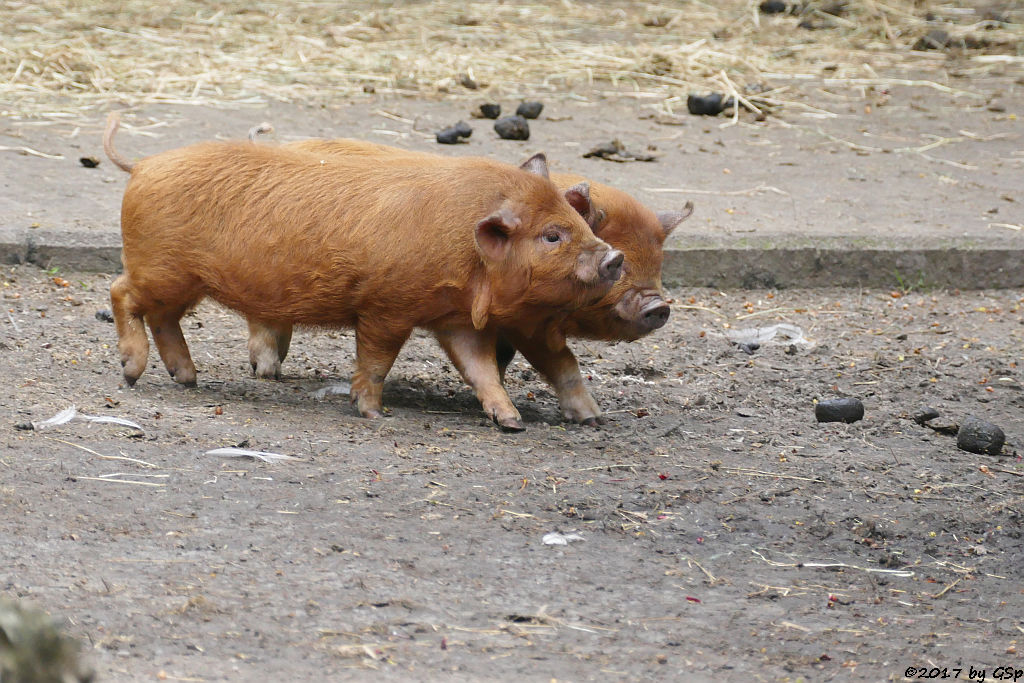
978, 436
104, 315
772, 7
490, 110
512, 128
839, 410
453, 134
711, 104
529, 110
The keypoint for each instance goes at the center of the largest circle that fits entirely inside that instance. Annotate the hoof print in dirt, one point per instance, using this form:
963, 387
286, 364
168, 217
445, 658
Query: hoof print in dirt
616, 151
104, 315
839, 410
711, 104
979, 436
530, 110
454, 134
89, 162
490, 110
512, 128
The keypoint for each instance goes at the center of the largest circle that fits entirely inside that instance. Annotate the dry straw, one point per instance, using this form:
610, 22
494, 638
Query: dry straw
75, 55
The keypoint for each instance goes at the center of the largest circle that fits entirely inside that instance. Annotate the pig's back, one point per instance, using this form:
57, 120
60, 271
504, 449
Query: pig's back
265, 229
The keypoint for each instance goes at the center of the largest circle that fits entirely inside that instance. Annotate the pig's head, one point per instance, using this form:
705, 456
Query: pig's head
635, 305
538, 249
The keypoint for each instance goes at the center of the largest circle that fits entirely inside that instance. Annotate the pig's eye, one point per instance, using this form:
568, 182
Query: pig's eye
552, 237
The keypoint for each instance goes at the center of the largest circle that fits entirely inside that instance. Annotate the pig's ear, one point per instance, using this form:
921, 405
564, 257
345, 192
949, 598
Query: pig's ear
493, 234
537, 164
670, 219
578, 197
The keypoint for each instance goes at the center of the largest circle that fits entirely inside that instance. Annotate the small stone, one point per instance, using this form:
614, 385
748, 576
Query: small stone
490, 110
923, 414
529, 110
369, 88
468, 81
839, 410
89, 162
979, 436
936, 39
512, 128
104, 315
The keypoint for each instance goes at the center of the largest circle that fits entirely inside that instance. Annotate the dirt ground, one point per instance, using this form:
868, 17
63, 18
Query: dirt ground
725, 535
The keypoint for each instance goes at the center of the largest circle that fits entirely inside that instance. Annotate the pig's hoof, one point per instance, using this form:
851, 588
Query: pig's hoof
371, 414
184, 378
511, 424
130, 381
267, 370
595, 421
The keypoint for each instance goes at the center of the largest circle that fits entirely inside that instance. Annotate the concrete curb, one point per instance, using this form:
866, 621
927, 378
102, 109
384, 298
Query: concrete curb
93, 251
954, 267
721, 267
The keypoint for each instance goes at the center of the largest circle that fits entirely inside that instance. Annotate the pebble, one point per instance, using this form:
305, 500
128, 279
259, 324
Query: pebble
529, 110
89, 162
936, 39
979, 436
105, 315
490, 110
839, 410
512, 128
453, 134
923, 414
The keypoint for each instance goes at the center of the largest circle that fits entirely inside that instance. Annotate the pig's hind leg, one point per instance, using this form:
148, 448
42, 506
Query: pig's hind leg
132, 342
562, 371
376, 351
165, 324
473, 354
268, 347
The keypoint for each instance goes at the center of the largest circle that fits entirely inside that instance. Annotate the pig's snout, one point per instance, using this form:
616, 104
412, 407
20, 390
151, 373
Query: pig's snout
654, 314
611, 265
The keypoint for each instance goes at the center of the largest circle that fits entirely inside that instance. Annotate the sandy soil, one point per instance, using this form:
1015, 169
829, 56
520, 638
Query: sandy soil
724, 534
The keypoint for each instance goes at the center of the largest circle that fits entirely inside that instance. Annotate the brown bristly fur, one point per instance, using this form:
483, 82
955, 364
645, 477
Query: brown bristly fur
287, 238
617, 218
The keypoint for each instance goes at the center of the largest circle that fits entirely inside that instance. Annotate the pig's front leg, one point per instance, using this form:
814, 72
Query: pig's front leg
563, 373
472, 353
376, 350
